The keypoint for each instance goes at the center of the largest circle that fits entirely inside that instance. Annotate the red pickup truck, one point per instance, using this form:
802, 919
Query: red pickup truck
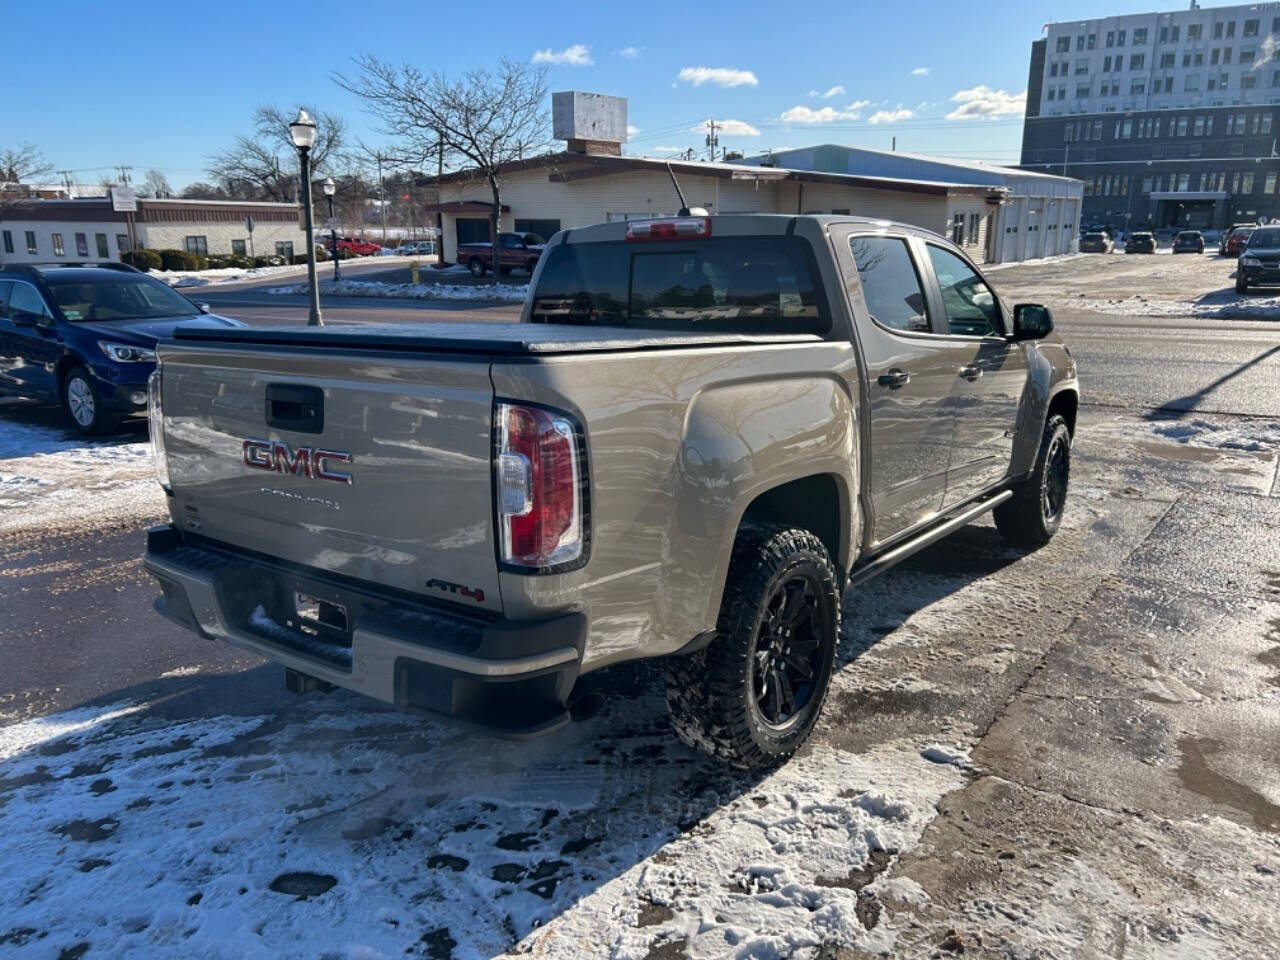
354, 245
516, 251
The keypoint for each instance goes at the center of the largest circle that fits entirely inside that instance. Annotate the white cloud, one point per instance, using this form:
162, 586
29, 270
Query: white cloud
836, 91
629, 53
720, 76
632, 130
858, 104
982, 101
667, 149
808, 116
578, 55
891, 116
922, 71
732, 128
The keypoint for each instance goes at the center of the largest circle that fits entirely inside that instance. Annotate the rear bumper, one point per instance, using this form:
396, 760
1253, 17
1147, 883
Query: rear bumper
510, 677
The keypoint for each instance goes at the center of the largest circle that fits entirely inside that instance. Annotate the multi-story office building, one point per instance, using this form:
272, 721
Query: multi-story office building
1170, 119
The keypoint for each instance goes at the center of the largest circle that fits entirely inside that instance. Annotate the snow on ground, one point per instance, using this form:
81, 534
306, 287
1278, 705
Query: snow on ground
1222, 305
214, 275
51, 478
1036, 261
336, 828
509, 292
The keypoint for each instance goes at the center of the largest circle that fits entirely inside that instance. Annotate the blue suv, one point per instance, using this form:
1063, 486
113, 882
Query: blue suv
85, 337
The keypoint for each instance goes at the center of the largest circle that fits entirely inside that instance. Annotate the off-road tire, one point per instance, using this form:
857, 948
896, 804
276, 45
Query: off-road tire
78, 390
476, 266
710, 696
1025, 519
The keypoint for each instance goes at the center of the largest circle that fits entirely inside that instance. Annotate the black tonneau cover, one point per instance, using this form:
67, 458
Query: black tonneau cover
486, 338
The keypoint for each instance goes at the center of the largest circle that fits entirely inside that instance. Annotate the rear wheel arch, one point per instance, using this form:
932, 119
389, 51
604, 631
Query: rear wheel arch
817, 503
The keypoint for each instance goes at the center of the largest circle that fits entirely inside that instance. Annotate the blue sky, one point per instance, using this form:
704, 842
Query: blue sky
166, 84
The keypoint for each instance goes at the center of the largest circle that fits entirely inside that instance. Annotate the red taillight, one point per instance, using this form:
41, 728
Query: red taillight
539, 479
684, 228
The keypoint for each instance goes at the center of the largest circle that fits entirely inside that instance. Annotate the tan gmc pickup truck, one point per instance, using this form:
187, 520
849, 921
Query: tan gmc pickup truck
702, 431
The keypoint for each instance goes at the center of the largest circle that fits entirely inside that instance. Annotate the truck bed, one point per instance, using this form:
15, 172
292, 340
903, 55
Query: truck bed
487, 339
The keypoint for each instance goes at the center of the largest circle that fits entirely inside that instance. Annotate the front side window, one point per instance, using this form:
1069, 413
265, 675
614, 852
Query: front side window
24, 298
971, 307
123, 297
890, 285
58, 250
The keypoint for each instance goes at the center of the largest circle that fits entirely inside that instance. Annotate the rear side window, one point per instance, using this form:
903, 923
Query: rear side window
729, 284
890, 284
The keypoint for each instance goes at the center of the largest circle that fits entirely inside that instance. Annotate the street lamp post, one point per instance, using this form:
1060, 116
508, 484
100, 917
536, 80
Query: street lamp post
303, 132
329, 188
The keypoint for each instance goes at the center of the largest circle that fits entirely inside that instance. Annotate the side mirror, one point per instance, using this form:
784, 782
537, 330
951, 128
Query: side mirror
1031, 321
204, 307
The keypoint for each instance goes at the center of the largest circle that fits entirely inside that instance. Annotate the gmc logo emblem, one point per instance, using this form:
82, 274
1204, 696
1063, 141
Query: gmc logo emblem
275, 456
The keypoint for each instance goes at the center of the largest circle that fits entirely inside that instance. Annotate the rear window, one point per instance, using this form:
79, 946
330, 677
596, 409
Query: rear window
729, 284
1094, 236
1189, 235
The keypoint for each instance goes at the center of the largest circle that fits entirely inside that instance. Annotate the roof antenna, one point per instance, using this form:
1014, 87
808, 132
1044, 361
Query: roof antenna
684, 207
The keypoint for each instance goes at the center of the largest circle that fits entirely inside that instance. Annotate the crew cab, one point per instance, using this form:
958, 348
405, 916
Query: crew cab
84, 336
701, 433
516, 251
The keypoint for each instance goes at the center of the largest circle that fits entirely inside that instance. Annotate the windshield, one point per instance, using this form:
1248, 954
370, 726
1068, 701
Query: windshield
1269, 238
123, 297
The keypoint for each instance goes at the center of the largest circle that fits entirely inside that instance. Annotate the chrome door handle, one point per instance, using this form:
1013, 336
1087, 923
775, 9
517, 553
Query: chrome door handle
971, 372
893, 378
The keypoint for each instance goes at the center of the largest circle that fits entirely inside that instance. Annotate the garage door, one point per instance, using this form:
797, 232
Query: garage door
1052, 232
1009, 245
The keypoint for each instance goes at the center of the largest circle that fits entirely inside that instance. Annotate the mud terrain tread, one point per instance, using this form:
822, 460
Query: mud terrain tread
707, 691
1020, 519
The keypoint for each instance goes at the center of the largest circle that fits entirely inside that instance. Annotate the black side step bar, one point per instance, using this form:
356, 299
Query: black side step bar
899, 553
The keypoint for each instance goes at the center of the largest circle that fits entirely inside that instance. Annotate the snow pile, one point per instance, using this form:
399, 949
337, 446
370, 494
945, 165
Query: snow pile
1247, 435
1217, 306
201, 278
506, 292
52, 478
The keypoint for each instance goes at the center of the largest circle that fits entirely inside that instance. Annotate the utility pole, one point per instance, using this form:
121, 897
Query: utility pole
66, 180
439, 214
382, 199
712, 140
124, 174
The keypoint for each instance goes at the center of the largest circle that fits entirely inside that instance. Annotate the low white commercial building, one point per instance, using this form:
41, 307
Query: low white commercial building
996, 213
90, 230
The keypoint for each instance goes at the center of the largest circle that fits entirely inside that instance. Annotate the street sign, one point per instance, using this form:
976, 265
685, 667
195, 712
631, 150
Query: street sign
123, 200
248, 224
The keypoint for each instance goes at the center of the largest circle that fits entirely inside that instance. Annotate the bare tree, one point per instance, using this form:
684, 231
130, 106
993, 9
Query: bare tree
487, 120
156, 184
23, 162
253, 164
204, 191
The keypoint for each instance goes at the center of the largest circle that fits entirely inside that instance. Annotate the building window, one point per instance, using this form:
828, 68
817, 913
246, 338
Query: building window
1182, 127
104, 252
58, 250
1246, 183
1119, 38
284, 248
1140, 37
197, 245
1082, 91
1146, 184
1248, 81
1213, 56
1093, 41
1064, 45
1246, 55
82, 245
122, 242
1217, 31
1266, 123
1251, 28
1106, 64
1111, 38
8, 242
1192, 82
1198, 130
1231, 28
975, 224
1097, 129
1184, 182
1193, 31
1080, 41
1138, 86
1166, 61
31, 242
1136, 61
957, 229
1126, 130
1082, 66
238, 248
1269, 184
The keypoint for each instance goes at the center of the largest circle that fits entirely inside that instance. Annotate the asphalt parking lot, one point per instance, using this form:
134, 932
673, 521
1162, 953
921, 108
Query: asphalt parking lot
1069, 752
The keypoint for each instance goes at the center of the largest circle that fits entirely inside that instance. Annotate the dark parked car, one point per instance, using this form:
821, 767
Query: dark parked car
85, 337
1238, 240
1141, 242
1096, 243
1227, 234
1260, 262
1189, 241
516, 251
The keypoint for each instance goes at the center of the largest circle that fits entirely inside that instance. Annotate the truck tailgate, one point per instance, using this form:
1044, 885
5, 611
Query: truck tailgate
376, 468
